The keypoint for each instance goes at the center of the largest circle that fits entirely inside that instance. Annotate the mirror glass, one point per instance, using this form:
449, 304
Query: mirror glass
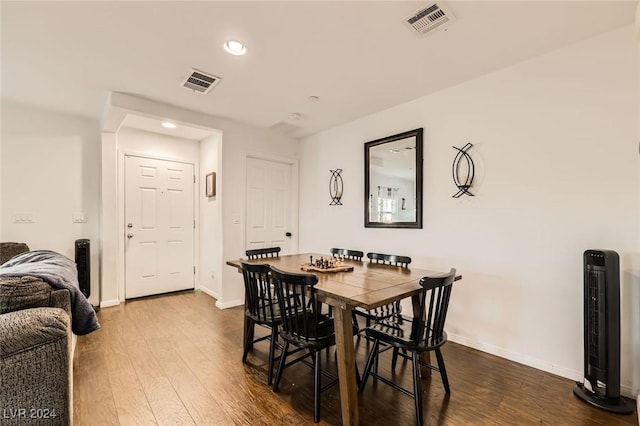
393, 181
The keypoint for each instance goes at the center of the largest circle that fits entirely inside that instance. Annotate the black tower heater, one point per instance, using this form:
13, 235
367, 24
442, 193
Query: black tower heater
83, 263
601, 385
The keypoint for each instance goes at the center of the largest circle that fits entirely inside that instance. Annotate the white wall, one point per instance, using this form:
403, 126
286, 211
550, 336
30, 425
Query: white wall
52, 166
238, 140
50, 169
157, 145
556, 152
210, 218
636, 317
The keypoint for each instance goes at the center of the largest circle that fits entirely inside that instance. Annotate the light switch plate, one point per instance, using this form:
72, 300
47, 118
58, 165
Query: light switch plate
79, 217
23, 218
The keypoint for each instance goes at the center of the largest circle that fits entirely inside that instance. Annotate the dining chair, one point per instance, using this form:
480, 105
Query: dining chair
347, 253
262, 309
389, 259
390, 309
423, 332
304, 327
263, 252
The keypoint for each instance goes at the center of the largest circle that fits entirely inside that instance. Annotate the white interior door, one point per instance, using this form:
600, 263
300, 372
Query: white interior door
269, 207
159, 226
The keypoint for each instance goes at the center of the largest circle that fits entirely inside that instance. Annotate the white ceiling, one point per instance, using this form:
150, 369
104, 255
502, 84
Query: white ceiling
357, 57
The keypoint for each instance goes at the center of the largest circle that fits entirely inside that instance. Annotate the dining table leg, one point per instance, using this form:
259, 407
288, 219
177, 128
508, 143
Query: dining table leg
346, 364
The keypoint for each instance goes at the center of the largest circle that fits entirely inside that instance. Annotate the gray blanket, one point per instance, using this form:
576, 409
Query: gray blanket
60, 273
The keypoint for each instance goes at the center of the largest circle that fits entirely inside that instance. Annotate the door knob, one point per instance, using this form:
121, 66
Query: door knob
129, 235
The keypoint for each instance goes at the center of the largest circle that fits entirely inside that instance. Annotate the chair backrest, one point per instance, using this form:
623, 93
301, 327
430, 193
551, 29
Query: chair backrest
429, 318
263, 252
348, 254
10, 249
261, 302
389, 259
300, 310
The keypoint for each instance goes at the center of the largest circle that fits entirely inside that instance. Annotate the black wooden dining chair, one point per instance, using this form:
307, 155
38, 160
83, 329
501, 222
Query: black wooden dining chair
261, 308
347, 253
422, 333
304, 327
263, 253
389, 259
390, 309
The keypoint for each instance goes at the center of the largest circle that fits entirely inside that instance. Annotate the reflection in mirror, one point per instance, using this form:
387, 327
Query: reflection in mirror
393, 181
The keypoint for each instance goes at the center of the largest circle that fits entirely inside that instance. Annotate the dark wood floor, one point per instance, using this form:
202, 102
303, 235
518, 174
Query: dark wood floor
176, 359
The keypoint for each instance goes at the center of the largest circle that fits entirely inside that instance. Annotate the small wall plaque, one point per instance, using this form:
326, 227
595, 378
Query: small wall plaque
210, 184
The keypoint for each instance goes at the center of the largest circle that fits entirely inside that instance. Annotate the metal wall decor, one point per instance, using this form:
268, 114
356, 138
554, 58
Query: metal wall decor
335, 187
463, 170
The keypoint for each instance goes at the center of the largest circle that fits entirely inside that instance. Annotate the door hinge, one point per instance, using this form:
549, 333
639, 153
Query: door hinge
194, 224
194, 178
194, 270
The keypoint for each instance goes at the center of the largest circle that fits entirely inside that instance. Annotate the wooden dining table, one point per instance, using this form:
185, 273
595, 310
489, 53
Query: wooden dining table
368, 286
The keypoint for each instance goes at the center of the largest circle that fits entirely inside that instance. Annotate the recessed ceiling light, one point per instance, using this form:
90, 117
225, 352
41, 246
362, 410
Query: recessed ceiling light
314, 98
235, 47
169, 125
295, 116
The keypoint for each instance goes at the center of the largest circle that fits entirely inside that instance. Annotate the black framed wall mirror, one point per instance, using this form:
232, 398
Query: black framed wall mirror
393, 181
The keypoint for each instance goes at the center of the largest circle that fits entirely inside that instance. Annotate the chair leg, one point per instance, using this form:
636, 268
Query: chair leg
272, 353
316, 387
283, 358
354, 317
394, 359
248, 342
367, 368
443, 371
417, 388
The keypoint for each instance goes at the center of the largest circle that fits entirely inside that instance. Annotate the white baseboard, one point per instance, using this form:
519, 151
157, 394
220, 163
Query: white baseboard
229, 304
532, 362
209, 292
109, 303
629, 392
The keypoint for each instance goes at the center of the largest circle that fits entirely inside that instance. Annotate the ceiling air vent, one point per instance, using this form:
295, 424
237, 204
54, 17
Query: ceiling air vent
199, 81
430, 18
